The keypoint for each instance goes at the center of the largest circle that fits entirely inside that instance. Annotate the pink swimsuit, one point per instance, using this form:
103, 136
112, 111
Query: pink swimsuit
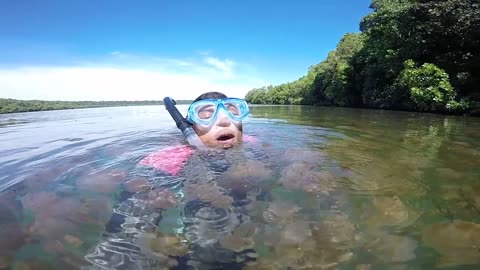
171, 159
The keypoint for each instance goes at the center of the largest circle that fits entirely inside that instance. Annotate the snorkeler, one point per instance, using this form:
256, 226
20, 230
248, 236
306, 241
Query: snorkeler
216, 122
216, 119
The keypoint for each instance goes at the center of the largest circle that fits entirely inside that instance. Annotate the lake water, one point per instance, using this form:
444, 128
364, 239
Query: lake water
316, 188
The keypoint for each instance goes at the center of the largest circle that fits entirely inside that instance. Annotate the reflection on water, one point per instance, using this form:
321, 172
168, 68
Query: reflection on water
321, 188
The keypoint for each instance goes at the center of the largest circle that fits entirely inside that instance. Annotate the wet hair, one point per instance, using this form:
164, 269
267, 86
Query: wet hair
210, 95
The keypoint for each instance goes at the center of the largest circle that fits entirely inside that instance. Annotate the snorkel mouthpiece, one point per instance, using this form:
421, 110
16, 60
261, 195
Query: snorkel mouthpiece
182, 123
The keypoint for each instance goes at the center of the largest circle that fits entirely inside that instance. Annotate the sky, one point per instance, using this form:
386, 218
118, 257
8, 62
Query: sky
146, 50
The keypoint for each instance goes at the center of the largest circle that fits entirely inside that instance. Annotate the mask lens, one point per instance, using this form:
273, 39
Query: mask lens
205, 111
237, 107
233, 108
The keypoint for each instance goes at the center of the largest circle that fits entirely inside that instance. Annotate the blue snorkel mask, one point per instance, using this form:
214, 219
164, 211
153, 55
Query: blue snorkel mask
205, 112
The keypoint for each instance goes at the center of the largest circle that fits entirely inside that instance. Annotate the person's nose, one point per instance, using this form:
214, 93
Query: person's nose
222, 119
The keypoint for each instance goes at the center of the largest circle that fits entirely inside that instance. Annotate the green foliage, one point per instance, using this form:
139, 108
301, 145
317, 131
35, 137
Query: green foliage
325, 83
333, 79
457, 106
367, 69
14, 105
447, 34
428, 85
258, 96
381, 58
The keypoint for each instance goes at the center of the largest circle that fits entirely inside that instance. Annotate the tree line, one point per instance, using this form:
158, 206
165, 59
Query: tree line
421, 55
15, 105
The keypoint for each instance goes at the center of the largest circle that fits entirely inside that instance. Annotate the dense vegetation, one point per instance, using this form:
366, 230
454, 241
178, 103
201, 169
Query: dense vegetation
421, 55
14, 105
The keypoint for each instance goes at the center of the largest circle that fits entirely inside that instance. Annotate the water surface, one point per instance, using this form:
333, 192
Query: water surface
319, 188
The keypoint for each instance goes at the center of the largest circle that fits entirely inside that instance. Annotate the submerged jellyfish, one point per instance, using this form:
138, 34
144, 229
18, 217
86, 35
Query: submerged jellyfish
136, 185
301, 246
388, 211
11, 232
304, 156
207, 193
339, 229
474, 193
295, 233
163, 245
102, 182
161, 198
296, 242
240, 239
457, 242
280, 212
244, 176
392, 248
302, 176
60, 221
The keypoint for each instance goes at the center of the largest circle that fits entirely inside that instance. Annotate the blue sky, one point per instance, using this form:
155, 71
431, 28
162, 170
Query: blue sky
137, 50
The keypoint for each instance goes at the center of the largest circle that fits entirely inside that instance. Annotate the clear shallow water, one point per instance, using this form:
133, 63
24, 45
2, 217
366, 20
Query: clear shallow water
322, 188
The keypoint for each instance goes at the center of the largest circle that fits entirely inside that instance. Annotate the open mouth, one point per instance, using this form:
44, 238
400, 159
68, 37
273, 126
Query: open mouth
225, 137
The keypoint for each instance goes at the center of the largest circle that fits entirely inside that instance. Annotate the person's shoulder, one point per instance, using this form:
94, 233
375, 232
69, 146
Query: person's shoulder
169, 159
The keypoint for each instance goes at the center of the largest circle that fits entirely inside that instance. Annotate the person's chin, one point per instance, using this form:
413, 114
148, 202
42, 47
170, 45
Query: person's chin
227, 144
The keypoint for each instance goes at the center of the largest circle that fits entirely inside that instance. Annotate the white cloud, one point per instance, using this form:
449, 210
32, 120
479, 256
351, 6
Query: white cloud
225, 65
128, 77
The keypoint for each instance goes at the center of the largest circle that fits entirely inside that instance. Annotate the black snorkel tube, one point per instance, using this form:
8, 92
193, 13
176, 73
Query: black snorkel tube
182, 123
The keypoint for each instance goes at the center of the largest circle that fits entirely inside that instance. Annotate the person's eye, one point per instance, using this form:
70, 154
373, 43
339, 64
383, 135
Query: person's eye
205, 113
232, 109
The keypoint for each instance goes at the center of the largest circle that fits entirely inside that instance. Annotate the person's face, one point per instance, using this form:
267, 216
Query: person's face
224, 132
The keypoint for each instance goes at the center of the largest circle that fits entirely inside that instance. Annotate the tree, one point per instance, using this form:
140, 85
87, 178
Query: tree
429, 87
368, 69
